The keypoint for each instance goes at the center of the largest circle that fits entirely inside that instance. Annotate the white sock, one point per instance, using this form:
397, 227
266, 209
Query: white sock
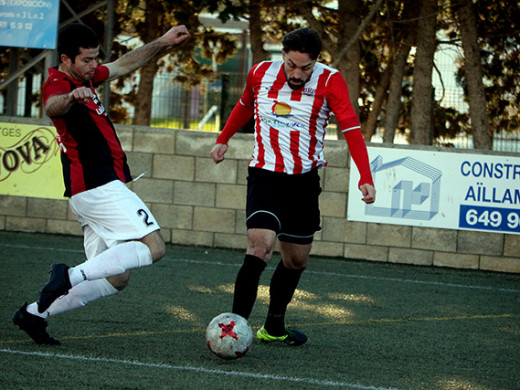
33, 309
78, 296
113, 261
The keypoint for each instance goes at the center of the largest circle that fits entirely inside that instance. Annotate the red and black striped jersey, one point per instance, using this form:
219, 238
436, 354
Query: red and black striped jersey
91, 153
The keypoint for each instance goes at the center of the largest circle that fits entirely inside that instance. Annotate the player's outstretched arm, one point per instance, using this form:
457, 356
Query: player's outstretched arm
141, 55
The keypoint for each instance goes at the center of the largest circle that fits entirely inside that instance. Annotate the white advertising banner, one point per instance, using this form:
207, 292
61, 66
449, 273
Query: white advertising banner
440, 190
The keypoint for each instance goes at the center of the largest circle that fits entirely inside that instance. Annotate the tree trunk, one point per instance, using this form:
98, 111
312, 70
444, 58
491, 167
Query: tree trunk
143, 106
369, 127
255, 28
406, 32
393, 104
477, 99
422, 95
348, 14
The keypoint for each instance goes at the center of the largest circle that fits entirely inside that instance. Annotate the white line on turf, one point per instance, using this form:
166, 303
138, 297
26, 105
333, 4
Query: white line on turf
381, 278
307, 272
199, 370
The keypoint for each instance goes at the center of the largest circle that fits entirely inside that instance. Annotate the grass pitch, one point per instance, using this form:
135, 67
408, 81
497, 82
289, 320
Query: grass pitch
370, 326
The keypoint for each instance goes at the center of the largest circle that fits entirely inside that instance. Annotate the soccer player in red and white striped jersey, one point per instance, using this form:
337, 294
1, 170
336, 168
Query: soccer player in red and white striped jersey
291, 101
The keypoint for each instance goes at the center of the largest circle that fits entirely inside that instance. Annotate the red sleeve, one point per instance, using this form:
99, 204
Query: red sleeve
101, 75
358, 151
242, 112
237, 119
55, 86
339, 102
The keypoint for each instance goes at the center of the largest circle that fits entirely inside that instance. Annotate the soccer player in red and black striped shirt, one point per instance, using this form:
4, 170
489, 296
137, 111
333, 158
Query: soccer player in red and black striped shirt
291, 101
120, 231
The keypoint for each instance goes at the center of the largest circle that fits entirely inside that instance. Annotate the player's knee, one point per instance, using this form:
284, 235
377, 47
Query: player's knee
298, 266
261, 243
155, 243
261, 249
158, 251
262, 253
120, 281
295, 262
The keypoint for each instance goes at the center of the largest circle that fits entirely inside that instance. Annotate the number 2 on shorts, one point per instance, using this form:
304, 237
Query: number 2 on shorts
145, 216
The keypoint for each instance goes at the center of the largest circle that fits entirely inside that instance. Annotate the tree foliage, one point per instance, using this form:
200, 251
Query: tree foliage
498, 26
394, 29
378, 65
190, 63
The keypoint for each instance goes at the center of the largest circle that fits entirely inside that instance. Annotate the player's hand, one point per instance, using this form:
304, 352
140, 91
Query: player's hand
175, 35
369, 193
217, 153
81, 95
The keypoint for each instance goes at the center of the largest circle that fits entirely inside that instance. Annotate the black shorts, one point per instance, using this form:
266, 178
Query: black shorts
286, 204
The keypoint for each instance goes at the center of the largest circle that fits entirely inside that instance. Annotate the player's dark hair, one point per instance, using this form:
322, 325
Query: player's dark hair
304, 40
73, 36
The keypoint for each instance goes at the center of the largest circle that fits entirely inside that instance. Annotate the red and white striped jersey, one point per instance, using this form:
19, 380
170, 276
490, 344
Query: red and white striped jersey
290, 125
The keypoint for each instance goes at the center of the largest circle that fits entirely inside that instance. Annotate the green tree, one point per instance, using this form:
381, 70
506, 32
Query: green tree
498, 51
149, 19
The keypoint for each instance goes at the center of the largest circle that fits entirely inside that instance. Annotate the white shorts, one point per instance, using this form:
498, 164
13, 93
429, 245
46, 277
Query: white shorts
110, 214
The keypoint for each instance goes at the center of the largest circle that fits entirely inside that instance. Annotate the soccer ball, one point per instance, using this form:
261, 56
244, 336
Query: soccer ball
229, 336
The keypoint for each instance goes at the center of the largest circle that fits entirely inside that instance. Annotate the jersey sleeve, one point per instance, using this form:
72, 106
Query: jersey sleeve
358, 151
242, 112
339, 102
55, 86
101, 75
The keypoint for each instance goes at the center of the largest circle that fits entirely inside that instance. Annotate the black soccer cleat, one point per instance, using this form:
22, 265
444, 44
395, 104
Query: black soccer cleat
58, 285
34, 326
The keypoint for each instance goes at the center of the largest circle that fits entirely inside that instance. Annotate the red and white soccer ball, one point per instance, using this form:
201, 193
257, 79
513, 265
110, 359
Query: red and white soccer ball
229, 336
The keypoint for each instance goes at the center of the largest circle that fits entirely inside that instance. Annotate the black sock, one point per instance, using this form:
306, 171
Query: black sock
246, 285
283, 285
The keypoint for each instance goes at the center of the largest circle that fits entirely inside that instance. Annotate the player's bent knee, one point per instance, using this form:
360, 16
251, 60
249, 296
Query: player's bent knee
156, 244
120, 281
261, 242
261, 252
158, 251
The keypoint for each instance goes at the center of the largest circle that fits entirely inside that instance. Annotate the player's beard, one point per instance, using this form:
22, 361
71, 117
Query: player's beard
292, 85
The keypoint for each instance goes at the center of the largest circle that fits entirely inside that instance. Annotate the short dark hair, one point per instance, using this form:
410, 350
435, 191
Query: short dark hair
73, 36
304, 40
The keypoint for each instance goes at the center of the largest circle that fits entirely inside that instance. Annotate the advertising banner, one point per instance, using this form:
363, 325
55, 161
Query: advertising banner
29, 23
441, 190
30, 161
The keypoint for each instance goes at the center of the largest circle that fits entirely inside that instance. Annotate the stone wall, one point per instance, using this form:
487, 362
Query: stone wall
199, 203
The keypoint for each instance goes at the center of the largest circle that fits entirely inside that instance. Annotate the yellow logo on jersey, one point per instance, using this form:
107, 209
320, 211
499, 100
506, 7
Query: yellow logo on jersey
281, 109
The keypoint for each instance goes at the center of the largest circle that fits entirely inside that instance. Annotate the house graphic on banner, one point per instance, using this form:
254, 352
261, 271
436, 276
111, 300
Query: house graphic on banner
409, 187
